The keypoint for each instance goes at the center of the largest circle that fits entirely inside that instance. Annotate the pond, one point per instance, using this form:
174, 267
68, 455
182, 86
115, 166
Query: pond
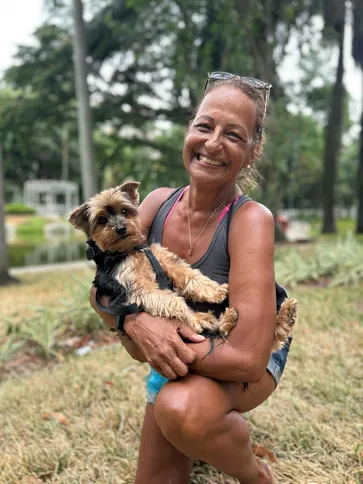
46, 253
35, 240
31, 253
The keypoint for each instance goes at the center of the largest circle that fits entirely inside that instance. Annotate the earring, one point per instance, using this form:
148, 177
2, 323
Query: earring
248, 167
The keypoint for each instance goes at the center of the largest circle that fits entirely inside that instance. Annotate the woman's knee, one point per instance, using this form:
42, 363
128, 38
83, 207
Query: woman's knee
174, 411
189, 410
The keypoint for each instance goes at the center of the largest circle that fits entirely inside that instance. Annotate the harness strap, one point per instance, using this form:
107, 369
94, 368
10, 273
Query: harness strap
93, 252
163, 281
119, 311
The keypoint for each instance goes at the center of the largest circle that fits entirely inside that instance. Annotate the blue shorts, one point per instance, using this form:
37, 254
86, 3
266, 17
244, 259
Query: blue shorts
276, 366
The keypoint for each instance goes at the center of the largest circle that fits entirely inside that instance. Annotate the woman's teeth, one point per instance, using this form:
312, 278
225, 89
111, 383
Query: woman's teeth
208, 161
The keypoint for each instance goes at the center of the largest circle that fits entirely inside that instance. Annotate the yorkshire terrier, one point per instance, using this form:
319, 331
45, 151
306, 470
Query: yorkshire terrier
111, 220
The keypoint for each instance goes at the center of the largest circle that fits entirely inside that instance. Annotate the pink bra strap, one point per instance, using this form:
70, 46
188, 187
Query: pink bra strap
226, 210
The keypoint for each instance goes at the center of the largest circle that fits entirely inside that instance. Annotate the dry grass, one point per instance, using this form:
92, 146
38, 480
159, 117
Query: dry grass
45, 289
80, 422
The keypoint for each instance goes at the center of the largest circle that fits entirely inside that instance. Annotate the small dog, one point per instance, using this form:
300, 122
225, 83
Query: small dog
111, 220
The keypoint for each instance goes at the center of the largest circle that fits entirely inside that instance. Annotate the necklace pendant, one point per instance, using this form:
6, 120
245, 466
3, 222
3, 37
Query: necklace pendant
190, 251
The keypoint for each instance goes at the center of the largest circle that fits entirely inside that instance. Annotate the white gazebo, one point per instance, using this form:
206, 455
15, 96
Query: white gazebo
51, 197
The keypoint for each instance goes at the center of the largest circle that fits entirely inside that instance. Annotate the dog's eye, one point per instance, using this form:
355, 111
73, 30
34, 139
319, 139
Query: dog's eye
102, 220
124, 212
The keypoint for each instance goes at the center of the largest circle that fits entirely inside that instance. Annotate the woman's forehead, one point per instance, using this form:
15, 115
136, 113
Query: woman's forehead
230, 103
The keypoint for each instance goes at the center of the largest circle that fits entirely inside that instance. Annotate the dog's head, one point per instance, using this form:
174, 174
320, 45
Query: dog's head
111, 218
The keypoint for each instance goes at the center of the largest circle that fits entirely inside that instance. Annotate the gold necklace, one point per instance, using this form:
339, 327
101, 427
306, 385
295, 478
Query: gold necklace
191, 246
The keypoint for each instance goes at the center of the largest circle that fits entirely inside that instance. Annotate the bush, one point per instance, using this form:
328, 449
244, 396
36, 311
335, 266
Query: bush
341, 263
19, 209
32, 226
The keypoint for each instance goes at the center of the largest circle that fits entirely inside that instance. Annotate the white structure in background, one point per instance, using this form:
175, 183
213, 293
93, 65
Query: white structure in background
51, 197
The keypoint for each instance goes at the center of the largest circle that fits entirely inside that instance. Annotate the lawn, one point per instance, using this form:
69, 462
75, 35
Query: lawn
79, 421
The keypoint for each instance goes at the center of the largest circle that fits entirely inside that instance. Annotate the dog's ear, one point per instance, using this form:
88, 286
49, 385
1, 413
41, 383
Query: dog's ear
130, 188
79, 218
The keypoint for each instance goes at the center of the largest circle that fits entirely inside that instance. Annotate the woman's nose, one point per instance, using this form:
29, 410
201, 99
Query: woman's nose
213, 143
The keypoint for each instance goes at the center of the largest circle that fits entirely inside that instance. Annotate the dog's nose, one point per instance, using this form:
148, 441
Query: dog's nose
121, 231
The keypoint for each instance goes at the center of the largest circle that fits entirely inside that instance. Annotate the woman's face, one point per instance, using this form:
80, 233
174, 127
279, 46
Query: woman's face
219, 140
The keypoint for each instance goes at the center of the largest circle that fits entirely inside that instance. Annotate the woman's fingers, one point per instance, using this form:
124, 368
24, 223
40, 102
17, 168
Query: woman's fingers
189, 334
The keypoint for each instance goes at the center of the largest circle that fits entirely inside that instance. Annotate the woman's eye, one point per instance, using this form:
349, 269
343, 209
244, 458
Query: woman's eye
124, 211
102, 220
234, 135
203, 127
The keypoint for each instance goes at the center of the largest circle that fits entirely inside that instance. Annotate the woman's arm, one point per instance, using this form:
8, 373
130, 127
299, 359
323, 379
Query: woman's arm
245, 354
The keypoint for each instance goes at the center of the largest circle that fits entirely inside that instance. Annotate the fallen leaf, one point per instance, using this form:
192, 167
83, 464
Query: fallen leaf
261, 451
62, 419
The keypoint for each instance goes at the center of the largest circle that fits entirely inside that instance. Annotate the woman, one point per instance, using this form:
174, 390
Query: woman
198, 416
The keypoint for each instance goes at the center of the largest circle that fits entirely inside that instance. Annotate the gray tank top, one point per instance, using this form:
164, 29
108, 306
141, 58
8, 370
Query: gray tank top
215, 263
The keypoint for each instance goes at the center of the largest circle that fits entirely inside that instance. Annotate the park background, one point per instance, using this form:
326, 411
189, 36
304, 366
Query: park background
93, 98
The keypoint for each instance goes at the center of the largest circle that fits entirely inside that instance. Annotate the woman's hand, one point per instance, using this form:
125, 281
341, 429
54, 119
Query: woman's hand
155, 340
132, 349
160, 341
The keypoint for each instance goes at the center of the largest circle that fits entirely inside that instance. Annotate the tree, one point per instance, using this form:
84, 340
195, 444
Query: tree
357, 51
335, 18
85, 124
5, 277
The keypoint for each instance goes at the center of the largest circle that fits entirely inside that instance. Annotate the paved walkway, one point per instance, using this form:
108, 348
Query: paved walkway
51, 267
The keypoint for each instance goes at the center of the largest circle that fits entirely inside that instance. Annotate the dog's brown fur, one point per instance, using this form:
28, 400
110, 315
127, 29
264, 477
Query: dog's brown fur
105, 218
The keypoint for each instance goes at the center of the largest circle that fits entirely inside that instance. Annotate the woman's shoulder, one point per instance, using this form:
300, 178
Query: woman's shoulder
251, 208
151, 204
252, 215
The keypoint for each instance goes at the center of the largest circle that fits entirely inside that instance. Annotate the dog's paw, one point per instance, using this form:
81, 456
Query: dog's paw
220, 294
288, 313
228, 321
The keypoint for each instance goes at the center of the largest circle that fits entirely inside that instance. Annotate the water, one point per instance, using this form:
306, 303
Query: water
29, 253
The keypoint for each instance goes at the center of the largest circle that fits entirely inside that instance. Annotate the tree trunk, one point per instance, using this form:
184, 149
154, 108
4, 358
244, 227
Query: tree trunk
85, 124
5, 277
360, 179
333, 136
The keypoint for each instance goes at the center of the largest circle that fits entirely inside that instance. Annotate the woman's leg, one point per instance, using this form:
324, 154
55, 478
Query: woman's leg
202, 418
159, 461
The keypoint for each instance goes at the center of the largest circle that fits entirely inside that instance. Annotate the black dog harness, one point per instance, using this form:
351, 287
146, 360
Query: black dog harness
93, 252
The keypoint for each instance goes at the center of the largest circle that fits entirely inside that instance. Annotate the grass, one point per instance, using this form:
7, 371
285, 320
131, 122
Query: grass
36, 290
80, 421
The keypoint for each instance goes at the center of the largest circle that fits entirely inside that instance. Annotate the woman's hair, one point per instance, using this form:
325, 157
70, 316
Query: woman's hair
247, 177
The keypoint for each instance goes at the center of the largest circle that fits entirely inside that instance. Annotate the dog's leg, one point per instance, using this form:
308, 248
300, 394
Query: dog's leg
166, 304
285, 322
188, 282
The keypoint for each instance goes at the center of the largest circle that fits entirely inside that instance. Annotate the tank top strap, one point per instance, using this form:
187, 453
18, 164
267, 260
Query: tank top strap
156, 229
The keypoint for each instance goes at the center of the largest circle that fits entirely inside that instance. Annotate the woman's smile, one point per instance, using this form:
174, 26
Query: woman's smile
207, 161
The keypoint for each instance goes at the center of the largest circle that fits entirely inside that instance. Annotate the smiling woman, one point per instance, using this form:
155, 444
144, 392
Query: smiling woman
194, 403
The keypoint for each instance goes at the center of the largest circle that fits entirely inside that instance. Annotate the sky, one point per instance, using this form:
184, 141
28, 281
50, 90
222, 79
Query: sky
19, 18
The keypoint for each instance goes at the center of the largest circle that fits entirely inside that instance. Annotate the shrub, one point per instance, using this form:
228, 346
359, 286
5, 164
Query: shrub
19, 209
341, 263
33, 226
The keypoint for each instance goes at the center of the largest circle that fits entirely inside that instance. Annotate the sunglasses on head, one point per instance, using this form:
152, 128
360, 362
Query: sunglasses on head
250, 81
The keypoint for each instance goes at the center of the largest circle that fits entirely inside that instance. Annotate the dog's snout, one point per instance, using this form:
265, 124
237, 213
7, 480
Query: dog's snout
121, 231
